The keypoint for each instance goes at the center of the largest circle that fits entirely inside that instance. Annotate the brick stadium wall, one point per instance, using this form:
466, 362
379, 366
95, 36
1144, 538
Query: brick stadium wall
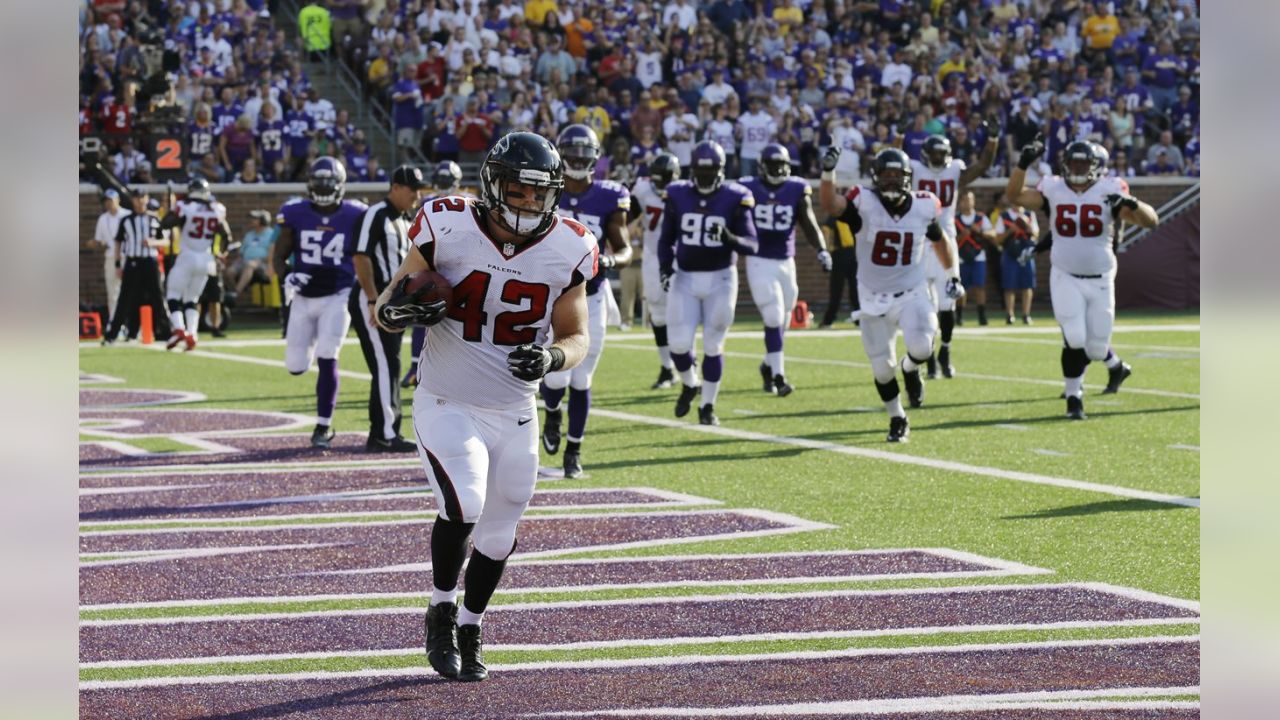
813, 283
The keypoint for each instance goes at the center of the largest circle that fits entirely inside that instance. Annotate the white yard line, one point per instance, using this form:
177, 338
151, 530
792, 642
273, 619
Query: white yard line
988, 472
874, 454
148, 556
1193, 448
792, 358
1130, 593
126, 489
664, 661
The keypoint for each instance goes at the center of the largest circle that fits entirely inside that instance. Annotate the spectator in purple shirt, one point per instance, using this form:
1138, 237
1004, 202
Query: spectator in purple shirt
1184, 115
913, 140
1163, 72
406, 98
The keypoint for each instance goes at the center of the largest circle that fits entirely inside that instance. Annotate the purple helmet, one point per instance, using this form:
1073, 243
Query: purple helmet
580, 149
707, 161
326, 181
775, 163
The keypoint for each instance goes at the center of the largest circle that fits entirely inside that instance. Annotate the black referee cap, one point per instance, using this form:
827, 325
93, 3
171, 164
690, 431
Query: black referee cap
408, 175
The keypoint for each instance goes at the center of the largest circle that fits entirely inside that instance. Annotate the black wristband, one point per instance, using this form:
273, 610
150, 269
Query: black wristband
557, 358
1023, 164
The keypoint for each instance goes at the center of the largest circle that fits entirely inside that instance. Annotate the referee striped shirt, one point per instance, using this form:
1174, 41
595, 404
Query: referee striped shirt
135, 229
384, 237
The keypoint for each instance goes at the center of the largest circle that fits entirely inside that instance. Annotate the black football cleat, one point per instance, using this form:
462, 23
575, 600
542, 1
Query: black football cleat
685, 401
442, 639
471, 648
551, 431
915, 387
767, 376
982, 315
899, 429
707, 415
1116, 376
944, 362
572, 464
1075, 408
933, 368
665, 379
394, 445
781, 386
322, 437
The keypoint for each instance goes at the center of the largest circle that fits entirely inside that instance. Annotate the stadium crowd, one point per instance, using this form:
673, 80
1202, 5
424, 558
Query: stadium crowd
457, 74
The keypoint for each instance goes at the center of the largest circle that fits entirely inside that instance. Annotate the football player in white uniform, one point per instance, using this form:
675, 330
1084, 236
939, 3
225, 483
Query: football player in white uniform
1084, 208
648, 197
602, 206
202, 219
519, 274
892, 224
945, 176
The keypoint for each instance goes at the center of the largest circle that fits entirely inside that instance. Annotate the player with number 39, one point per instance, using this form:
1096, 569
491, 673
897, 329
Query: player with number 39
893, 226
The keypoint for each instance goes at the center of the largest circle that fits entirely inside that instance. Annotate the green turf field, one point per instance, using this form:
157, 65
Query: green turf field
992, 468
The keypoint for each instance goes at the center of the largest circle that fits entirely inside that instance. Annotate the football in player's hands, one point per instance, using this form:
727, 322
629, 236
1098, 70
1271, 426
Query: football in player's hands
1031, 152
426, 286
831, 158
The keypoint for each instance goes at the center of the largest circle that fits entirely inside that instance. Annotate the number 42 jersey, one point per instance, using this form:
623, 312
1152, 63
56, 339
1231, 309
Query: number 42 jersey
323, 244
503, 295
890, 247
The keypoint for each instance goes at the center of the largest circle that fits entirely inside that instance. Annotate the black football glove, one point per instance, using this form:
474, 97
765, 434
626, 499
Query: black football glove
1118, 202
664, 278
1031, 152
992, 129
831, 158
530, 362
717, 235
954, 288
399, 317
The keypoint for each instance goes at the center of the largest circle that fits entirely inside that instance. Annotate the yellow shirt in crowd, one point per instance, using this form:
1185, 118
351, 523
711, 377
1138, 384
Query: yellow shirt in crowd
1101, 31
535, 11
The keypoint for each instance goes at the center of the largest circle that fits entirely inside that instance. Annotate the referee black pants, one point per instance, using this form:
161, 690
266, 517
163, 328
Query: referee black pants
140, 285
382, 355
844, 270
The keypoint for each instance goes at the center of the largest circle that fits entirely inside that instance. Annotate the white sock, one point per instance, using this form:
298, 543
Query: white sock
894, 407
466, 617
1075, 386
1113, 362
175, 317
774, 359
325, 421
946, 345
193, 320
664, 356
709, 391
689, 377
909, 365
444, 596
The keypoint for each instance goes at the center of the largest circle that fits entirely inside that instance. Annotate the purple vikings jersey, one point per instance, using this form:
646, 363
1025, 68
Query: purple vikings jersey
593, 208
323, 245
776, 212
688, 215
271, 141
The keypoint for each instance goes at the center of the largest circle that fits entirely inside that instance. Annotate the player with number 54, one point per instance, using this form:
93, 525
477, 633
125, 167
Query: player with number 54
894, 227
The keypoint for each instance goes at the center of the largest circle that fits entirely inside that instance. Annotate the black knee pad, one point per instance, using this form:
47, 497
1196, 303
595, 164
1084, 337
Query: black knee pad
1074, 361
925, 361
888, 391
174, 305
188, 306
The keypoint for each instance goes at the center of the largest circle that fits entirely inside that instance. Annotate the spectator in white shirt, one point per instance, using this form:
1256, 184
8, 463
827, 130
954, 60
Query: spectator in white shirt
897, 71
105, 235
719, 91
681, 13
681, 130
756, 128
125, 164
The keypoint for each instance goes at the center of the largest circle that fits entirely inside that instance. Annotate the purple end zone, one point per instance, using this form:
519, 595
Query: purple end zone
277, 573
513, 693
188, 420
1044, 713
97, 398
292, 448
230, 496
624, 621
282, 582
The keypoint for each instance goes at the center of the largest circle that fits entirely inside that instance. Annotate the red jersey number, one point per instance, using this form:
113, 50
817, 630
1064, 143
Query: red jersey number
1078, 221
944, 189
891, 247
509, 328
